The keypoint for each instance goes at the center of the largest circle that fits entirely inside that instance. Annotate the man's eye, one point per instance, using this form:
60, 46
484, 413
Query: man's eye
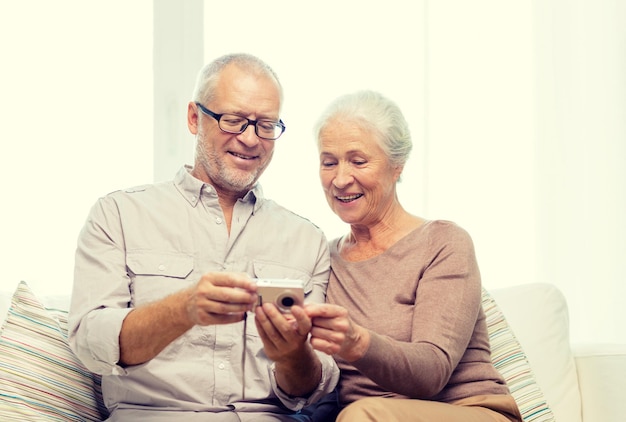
267, 126
232, 120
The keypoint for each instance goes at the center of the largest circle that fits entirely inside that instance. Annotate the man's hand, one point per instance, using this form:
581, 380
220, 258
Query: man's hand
220, 298
284, 336
217, 298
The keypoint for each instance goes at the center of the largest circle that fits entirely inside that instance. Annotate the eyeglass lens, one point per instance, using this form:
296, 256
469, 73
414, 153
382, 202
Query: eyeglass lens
264, 128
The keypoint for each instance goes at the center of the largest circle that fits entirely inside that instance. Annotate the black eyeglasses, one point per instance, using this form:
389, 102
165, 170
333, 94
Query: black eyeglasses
232, 123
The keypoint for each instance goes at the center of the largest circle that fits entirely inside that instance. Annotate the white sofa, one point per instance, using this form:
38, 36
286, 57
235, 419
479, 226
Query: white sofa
40, 380
583, 382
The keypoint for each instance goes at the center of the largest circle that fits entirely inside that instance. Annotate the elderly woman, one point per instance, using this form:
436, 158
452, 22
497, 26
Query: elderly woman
404, 317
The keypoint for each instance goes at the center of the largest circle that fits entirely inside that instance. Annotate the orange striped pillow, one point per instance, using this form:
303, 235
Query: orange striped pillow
509, 358
40, 377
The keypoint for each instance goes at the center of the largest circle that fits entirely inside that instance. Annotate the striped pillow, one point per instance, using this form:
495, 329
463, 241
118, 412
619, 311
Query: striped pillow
40, 378
509, 358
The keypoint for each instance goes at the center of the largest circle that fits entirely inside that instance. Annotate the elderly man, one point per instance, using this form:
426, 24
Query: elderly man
164, 277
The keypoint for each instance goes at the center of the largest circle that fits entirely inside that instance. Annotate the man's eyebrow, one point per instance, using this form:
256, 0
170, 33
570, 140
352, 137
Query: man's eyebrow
240, 112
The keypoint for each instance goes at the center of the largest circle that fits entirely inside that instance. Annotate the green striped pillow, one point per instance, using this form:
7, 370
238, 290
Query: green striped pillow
40, 377
509, 358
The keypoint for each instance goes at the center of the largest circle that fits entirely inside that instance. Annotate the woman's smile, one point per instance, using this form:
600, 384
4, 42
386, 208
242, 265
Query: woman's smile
348, 198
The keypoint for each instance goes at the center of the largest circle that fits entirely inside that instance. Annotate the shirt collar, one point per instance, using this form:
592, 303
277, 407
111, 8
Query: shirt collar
191, 189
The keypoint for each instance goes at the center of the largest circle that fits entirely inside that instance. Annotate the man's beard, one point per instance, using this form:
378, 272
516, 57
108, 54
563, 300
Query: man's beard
223, 176
233, 180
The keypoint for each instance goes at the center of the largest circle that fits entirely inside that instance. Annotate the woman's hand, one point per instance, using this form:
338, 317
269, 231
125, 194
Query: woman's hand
334, 333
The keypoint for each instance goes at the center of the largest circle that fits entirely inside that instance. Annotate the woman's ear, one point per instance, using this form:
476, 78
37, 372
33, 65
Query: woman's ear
397, 172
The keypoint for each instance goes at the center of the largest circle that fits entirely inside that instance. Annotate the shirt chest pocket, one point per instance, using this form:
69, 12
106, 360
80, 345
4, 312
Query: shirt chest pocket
155, 274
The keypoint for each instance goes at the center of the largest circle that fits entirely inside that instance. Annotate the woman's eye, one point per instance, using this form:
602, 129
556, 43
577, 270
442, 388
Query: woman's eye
328, 163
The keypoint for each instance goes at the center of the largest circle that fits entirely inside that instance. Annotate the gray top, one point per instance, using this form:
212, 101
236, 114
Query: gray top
421, 299
142, 244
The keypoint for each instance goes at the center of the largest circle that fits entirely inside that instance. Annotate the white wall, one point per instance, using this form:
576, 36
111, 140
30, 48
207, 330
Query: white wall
480, 113
321, 50
527, 145
75, 124
581, 160
177, 55
517, 111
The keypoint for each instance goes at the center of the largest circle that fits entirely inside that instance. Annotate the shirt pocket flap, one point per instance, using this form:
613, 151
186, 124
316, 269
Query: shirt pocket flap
265, 269
167, 264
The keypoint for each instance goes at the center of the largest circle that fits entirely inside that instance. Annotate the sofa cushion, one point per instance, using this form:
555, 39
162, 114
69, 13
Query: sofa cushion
509, 358
538, 315
601, 372
39, 374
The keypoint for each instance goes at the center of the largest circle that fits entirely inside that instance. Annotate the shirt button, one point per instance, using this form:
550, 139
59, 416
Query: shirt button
221, 365
162, 267
218, 220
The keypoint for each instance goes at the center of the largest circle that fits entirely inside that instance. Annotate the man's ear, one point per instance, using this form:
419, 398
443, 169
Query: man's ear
192, 117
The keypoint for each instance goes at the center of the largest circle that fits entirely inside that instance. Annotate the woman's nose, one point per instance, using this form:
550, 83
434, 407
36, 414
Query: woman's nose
343, 177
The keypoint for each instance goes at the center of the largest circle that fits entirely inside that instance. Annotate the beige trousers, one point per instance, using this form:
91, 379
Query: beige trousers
486, 408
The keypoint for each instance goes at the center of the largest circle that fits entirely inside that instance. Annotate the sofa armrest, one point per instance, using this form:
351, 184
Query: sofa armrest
602, 380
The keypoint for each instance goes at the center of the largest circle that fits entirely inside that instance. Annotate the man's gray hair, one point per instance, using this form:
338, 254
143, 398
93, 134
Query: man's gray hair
204, 89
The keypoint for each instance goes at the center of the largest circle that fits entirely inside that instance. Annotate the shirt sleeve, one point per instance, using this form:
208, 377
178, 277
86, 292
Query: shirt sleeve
100, 296
328, 382
330, 370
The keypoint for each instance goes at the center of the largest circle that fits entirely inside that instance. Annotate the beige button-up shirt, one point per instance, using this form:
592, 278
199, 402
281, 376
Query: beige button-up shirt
142, 244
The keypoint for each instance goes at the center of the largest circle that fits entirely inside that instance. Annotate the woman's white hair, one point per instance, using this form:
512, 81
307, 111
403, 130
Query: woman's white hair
377, 113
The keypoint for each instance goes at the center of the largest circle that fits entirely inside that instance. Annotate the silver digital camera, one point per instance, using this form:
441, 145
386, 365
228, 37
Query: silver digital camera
284, 293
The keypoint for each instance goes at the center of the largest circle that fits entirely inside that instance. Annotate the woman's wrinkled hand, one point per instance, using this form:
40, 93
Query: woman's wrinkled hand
333, 332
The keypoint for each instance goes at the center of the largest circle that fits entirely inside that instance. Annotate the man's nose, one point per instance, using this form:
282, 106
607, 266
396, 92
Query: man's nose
249, 136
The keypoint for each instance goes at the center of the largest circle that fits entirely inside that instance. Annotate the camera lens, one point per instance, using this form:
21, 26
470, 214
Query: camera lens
287, 301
